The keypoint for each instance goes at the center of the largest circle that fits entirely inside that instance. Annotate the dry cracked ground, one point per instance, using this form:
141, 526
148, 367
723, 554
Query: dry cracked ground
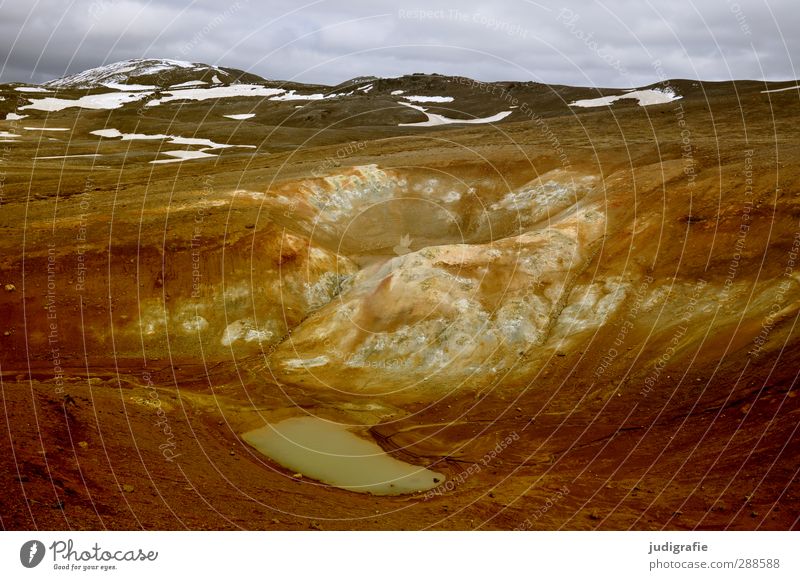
585, 317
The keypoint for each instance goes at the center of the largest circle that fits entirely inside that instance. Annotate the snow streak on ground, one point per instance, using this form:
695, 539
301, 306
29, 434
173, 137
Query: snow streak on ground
423, 99
644, 97
207, 144
783, 89
124, 87
293, 96
100, 101
183, 156
437, 120
188, 84
68, 156
216, 93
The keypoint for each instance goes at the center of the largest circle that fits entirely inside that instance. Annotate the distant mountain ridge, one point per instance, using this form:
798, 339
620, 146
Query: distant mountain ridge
393, 104
159, 72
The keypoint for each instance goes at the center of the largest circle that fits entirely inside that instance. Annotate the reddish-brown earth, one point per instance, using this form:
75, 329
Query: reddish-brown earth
585, 320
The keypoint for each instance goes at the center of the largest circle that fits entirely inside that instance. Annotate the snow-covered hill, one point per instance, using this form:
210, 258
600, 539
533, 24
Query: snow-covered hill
151, 73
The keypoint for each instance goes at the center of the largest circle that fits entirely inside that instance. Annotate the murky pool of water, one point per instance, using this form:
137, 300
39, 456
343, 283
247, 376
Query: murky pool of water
329, 453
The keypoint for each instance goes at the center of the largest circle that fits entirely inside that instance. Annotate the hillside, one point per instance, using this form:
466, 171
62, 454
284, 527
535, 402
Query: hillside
151, 73
580, 289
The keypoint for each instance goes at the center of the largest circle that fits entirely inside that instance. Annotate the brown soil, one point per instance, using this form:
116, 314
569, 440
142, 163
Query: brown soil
118, 417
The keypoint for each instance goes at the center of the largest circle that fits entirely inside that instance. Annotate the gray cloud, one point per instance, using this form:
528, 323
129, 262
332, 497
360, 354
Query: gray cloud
583, 42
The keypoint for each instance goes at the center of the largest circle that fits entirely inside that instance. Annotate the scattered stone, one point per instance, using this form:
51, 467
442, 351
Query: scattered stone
297, 475
128, 488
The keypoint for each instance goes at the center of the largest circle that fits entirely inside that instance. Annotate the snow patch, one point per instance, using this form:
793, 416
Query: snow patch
188, 84
293, 96
645, 98
241, 116
183, 156
781, 90
216, 93
124, 87
101, 101
207, 144
69, 156
437, 120
114, 133
424, 99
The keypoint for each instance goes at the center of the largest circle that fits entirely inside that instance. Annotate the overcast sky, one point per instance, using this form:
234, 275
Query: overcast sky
579, 42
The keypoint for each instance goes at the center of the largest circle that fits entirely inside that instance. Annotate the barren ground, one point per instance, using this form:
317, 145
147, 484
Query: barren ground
638, 371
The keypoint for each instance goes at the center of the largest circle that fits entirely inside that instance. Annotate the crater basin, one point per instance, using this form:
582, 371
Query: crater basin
332, 454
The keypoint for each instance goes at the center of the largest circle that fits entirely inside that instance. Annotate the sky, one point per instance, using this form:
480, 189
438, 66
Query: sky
610, 43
